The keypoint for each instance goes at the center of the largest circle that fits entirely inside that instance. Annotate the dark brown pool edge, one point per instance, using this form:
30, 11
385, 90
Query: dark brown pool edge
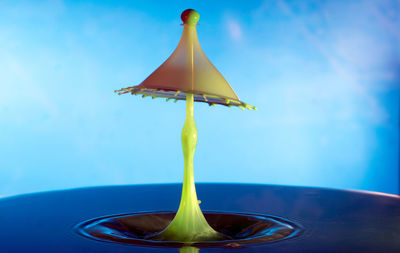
243, 228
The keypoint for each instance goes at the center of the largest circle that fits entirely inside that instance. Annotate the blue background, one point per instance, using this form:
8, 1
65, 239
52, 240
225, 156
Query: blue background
324, 74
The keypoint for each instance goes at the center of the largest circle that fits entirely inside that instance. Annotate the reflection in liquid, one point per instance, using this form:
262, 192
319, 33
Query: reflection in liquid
189, 249
142, 229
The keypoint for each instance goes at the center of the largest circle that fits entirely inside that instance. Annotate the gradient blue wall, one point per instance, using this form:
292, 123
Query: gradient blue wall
324, 74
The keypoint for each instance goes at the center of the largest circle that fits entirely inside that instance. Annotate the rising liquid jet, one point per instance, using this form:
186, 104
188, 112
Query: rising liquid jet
188, 75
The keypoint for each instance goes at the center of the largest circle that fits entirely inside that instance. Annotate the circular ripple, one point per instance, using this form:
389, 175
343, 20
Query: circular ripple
241, 228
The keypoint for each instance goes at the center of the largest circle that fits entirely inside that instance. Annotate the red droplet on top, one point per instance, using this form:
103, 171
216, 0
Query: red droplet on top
190, 16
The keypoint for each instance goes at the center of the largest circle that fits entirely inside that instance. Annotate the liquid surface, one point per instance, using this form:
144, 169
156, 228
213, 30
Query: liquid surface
142, 229
333, 220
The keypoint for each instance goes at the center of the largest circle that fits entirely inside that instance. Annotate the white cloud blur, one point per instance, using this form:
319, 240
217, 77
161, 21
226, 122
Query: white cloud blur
234, 29
353, 50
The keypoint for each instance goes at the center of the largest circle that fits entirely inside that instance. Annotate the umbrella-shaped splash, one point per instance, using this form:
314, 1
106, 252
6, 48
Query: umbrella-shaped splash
188, 75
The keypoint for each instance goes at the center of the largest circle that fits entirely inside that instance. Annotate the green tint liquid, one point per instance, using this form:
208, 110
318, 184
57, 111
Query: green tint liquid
189, 224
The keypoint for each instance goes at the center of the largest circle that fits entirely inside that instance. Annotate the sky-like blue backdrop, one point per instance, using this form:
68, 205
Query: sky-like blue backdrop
324, 74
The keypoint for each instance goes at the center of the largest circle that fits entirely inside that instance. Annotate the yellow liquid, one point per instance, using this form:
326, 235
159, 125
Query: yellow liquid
189, 224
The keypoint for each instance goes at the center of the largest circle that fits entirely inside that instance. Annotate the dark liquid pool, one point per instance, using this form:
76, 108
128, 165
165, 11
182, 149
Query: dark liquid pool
332, 221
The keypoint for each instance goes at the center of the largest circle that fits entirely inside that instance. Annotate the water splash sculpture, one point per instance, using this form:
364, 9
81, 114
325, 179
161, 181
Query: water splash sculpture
188, 75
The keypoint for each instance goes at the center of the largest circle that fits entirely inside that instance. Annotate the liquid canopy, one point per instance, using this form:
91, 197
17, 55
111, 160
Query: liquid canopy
188, 75
188, 70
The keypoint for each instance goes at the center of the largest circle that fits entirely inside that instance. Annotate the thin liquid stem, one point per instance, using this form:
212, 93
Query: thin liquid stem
189, 224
